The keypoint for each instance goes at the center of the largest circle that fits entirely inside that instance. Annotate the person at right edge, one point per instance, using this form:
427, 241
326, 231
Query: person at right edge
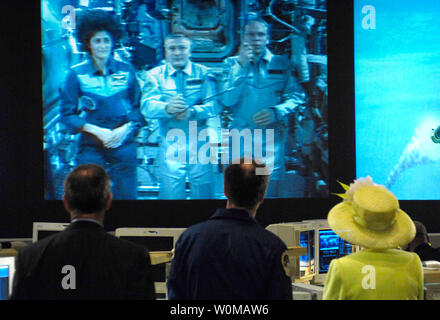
370, 217
230, 256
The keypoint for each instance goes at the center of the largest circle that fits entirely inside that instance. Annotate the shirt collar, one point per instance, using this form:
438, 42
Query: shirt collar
171, 70
267, 56
86, 219
225, 213
111, 65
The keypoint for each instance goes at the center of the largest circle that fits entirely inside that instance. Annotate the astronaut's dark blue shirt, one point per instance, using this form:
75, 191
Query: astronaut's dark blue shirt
107, 101
229, 257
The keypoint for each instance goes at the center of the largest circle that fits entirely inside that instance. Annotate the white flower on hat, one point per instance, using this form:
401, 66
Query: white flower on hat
354, 186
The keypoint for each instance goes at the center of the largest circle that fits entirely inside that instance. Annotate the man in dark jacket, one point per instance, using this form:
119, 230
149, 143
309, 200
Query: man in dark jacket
84, 261
231, 256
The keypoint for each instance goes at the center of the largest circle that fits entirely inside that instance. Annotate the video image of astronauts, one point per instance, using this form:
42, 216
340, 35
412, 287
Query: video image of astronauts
153, 92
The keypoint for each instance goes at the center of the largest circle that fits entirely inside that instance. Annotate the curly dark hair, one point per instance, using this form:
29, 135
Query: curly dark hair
92, 21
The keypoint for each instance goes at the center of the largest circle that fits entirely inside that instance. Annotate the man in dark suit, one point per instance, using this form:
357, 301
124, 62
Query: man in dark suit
230, 256
84, 261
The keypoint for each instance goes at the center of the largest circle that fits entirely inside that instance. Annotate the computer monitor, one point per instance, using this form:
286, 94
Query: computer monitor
298, 234
7, 271
155, 239
328, 246
331, 246
42, 230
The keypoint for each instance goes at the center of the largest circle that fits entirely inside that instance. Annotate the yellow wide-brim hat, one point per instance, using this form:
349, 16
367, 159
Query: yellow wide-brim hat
370, 217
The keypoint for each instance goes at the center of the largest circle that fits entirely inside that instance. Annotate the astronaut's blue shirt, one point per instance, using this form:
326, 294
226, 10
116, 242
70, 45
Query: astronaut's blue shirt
230, 256
107, 101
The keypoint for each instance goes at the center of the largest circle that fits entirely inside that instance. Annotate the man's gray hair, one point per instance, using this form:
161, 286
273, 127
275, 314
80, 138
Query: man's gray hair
87, 189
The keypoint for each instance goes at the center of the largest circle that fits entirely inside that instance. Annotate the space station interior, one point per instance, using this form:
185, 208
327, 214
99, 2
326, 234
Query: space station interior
297, 31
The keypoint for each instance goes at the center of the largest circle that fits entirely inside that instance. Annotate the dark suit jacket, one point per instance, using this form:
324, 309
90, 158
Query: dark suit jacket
83, 262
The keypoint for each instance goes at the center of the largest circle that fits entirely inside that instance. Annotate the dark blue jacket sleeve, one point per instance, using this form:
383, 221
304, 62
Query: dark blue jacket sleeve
279, 283
70, 94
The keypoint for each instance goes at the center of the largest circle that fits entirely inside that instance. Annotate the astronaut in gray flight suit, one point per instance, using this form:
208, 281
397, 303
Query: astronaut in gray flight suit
175, 93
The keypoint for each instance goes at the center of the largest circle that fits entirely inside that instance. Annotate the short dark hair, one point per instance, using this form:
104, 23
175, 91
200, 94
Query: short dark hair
243, 186
87, 188
176, 35
92, 21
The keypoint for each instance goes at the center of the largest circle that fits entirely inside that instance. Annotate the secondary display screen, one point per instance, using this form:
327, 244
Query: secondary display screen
397, 100
7, 272
4, 282
115, 98
307, 262
331, 246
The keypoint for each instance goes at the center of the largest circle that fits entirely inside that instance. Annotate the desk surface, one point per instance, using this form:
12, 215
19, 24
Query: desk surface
8, 252
431, 275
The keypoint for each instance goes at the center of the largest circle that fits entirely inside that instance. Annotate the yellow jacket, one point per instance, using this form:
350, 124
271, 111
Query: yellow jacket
390, 274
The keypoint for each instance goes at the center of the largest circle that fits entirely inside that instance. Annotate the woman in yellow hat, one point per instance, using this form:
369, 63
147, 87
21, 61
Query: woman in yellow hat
370, 217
